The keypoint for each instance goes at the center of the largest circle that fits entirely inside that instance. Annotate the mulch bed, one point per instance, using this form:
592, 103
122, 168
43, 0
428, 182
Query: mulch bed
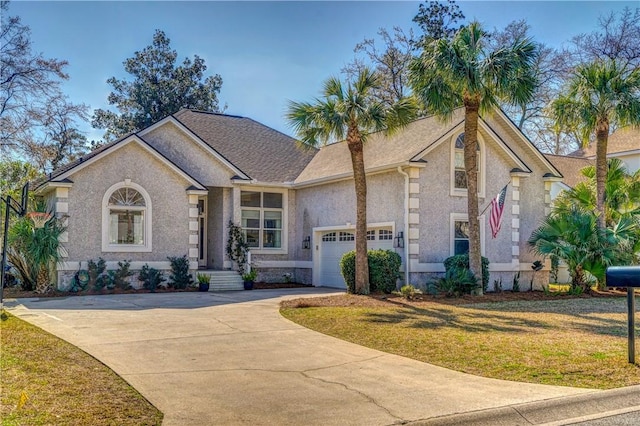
381, 300
16, 292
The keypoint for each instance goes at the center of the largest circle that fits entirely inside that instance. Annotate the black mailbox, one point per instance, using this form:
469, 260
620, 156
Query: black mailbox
623, 276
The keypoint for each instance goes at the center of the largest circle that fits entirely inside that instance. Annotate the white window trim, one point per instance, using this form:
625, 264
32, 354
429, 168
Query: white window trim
457, 192
457, 217
148, 237
285, 218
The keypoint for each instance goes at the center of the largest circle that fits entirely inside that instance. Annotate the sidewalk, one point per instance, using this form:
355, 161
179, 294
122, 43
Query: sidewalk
230, 358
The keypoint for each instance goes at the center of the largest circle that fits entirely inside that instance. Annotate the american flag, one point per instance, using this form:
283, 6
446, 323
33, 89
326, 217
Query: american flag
497, 207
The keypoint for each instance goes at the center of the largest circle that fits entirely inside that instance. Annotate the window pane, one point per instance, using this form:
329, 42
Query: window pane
250, 199
460, 141
252, 237
250, 219
126, 227
272, 239
272, 200
273, 220
459, 160
461, 247
460, 177
461, 229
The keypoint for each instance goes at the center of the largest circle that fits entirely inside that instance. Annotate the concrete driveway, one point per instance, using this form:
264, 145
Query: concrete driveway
230, 358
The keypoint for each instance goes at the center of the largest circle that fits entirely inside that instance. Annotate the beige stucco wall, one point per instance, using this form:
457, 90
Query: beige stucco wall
183, 151
167, 190
335, 205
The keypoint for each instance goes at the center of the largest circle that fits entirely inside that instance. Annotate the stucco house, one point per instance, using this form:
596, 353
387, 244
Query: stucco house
172, 188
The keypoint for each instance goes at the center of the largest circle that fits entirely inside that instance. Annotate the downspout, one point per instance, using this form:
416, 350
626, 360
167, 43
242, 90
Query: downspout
406, 224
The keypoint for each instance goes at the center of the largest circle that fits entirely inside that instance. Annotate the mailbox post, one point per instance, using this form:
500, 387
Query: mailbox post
629, 277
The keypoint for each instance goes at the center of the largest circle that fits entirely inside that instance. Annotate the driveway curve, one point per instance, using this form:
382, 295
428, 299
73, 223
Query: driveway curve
230, 358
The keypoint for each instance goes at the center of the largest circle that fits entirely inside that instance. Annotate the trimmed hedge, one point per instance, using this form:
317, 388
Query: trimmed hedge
461, 262
384, 270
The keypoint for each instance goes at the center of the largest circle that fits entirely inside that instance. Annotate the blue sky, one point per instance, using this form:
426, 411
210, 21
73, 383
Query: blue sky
266, 52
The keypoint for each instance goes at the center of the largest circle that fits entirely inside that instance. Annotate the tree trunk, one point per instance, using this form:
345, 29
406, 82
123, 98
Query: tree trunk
472, 105
354, 142
43, 284
602, 137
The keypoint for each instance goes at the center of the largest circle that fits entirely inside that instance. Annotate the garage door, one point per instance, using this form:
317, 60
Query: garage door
333, 244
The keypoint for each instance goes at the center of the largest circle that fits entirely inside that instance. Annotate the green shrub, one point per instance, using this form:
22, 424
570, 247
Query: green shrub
96, 270
348, 270
456, 282
118, 278
461, 261
180, 276
151, 277
409, 292
384, 270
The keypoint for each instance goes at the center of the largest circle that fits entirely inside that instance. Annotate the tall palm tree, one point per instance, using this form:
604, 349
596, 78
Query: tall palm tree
600, 94
461, 72
351, 112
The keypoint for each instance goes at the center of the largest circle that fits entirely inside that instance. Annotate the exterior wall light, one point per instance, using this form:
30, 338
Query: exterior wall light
306, 242
398, 241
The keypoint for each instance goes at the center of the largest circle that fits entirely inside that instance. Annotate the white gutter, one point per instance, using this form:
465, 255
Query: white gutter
406, 224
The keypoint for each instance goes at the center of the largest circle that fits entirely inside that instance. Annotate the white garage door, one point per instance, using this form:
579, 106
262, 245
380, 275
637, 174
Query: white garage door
333, 244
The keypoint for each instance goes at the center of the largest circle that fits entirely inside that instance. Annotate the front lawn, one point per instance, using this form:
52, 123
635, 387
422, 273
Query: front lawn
47, 381
578, 342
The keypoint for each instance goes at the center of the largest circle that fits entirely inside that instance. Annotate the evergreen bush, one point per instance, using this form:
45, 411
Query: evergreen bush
384, 270
151, 278
180, 276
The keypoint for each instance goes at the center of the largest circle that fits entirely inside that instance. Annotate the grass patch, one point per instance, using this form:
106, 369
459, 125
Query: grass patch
567, 342
47, 381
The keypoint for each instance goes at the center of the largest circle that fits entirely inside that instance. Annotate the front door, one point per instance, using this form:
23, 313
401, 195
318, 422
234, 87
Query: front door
202, 232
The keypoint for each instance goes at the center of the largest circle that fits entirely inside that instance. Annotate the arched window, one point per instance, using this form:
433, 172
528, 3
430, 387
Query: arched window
458, 173
126, 220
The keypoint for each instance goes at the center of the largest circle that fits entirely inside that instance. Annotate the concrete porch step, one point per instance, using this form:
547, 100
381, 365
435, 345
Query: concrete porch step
224, 280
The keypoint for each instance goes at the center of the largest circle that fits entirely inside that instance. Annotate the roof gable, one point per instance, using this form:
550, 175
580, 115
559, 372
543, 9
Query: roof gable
63, 174
198, 141
406, 147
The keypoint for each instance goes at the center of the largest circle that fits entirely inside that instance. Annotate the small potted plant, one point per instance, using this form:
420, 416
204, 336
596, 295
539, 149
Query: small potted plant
203, 282
249, 278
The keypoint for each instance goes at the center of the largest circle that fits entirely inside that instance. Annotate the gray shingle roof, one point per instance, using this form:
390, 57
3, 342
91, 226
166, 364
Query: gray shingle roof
570, 167
259, 151
334, 160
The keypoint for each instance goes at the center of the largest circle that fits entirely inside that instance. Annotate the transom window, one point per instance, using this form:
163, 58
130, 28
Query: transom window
262, 214
346, 236
126, 220
385, 234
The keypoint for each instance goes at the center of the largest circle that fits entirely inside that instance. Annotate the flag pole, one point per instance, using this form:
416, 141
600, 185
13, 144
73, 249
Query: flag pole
489, 205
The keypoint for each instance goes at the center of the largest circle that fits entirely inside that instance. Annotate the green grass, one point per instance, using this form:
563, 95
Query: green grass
47, 381
567, 342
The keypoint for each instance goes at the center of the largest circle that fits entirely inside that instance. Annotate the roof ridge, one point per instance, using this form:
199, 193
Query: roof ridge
199, 111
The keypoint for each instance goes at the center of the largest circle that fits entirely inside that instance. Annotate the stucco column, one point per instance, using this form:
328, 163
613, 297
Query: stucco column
413, 226
515, 220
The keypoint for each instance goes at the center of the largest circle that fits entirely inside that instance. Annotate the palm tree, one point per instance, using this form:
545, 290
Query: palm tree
573, 236
34, 252
461, 72
598, 95
570, 232
351, 113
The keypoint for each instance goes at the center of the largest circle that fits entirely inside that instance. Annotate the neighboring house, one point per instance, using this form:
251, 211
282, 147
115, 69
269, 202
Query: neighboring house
623, 144
172, 188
